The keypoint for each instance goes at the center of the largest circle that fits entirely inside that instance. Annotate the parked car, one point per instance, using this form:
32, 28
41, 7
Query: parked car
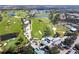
68, 52
66, 47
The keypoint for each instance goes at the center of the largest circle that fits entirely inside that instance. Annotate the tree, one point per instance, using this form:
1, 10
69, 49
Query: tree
27, 50
51, 15
20, 40
54, 50
68, 33
1, 18
77, 46
57, 34
54, 17
68, 41
31, 14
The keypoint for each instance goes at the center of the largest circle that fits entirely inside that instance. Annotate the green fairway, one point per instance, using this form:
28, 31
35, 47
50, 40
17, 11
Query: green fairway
61, 29
39, 25
12, 24
11, 43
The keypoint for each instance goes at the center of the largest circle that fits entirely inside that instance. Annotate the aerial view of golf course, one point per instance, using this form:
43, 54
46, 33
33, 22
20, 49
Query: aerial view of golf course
35, 29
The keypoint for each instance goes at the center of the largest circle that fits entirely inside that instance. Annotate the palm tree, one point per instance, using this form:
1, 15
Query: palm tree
54, 17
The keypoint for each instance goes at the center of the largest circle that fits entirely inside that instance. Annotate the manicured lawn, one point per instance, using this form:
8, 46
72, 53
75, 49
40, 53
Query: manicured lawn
12, 24
12, 43
61, 29
9, 24
21, 13
39, 25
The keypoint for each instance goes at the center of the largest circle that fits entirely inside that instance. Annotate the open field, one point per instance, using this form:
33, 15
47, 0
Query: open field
39, 25
12, 24
61, 29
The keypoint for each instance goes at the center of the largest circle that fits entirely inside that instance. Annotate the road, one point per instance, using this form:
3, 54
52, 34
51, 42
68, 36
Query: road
27, 34
27, 29
34, 44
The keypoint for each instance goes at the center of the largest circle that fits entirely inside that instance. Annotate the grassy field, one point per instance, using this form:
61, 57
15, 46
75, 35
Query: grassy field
39, 25
12, 24
11, 43
61, 29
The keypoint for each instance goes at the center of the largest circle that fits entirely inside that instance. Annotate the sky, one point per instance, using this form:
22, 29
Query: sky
40, 6
39, 2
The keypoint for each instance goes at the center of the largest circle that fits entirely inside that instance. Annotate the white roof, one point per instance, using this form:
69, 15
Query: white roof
26, 22
34, 46
57, 42
72, 28
57, 39
50, 38
39, 51
45, 42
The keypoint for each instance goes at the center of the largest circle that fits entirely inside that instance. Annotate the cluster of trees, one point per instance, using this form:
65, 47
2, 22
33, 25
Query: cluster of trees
53, 50
68, 41
73, 20
57, 34
30, 14
76, 48
1, 18
27, 50
20, 40
71, 38
15, 48
54, 17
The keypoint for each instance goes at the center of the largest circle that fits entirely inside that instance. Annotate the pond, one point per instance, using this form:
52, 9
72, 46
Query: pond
8, 36
11, 14
41, 16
